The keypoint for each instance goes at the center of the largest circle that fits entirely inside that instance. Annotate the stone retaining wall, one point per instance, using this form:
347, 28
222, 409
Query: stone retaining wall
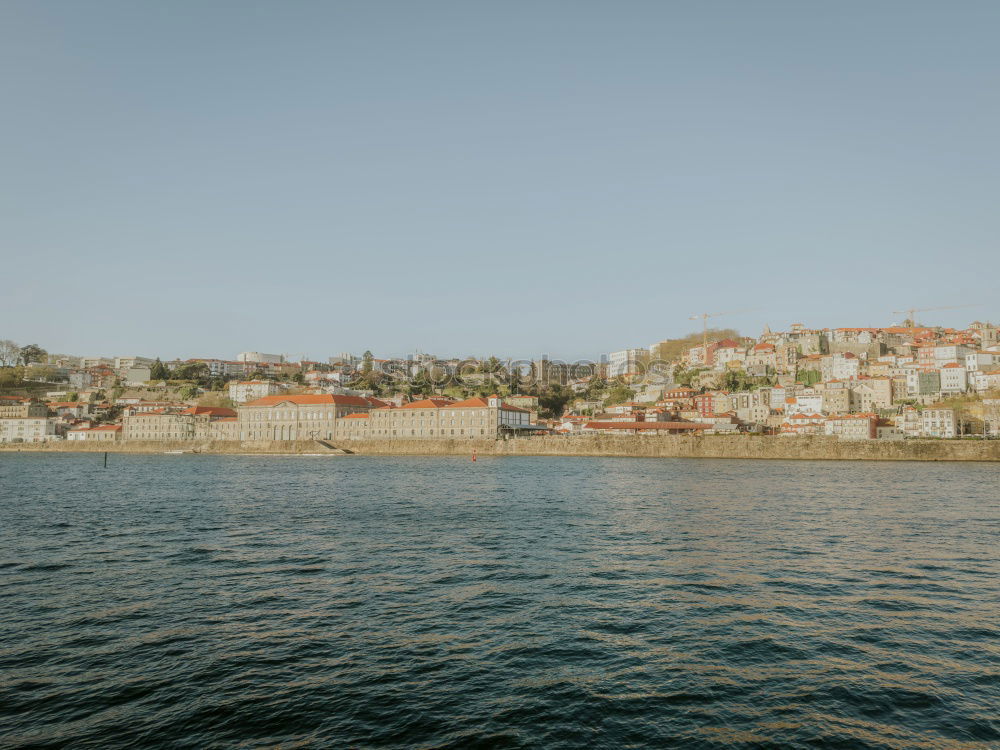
662, 446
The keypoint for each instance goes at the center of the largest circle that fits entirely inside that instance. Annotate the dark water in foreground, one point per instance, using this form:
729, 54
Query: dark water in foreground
188, 601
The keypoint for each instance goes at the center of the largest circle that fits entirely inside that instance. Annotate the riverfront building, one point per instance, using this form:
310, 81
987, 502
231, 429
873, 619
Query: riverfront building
299, 417
104, 433
163, 424
26, 429
439, 417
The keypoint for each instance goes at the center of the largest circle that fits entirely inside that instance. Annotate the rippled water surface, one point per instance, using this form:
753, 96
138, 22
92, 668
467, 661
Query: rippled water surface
214, 601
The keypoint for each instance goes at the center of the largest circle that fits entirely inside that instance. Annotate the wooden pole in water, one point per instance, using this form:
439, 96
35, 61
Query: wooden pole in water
105, 459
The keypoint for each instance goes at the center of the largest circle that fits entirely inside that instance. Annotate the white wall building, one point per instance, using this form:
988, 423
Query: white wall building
946, 353
27, 429
981, 360
954, 378
626, 362
251, 390
938, 423
806, 403
274, 359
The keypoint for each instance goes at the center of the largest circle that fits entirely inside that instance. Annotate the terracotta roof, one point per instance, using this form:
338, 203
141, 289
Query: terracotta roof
212, 411
479, 403
311, 399
424, 403
356, 415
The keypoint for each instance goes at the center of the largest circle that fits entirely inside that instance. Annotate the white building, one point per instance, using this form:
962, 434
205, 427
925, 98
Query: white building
627, 362
840, 366
981, 361
251, 390
986, 380
127, 363
954, 378
852, 427
27, 429
938, 422
908, 422
806, 403
948, 353
104, 433
87, 362
274, 359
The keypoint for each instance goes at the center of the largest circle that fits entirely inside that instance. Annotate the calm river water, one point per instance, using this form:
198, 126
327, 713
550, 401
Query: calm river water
225, 601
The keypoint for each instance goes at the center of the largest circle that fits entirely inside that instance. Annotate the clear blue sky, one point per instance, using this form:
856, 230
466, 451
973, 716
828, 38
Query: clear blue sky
198, 178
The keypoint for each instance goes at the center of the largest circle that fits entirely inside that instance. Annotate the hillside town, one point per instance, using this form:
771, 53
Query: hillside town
894, 383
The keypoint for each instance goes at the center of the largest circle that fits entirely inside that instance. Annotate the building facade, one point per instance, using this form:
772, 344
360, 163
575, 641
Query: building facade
437, 418
26, 429
299, 417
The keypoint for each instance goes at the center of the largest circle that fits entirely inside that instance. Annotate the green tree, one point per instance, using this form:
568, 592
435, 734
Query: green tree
159, 371
737, 380
491, 365
687, 377
367, 361
595, 388
188, 392
552, 401
196, 371
32, 353
618, 393
808, 377
11, 377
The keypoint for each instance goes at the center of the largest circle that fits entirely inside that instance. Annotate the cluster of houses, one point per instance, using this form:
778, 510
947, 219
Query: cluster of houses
849, 383
878, 383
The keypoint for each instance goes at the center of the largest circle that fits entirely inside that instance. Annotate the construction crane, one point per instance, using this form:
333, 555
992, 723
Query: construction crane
914, 310
704, 328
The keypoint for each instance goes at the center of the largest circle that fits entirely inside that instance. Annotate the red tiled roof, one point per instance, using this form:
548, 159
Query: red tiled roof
212, 411
305, 399
424, 403
356, 415
479, 403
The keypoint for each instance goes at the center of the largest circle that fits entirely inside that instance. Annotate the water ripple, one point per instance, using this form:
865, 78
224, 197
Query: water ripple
516, 602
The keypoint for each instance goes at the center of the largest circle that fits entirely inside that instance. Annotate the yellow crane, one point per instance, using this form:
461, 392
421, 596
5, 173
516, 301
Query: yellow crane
704, 328
914, 310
